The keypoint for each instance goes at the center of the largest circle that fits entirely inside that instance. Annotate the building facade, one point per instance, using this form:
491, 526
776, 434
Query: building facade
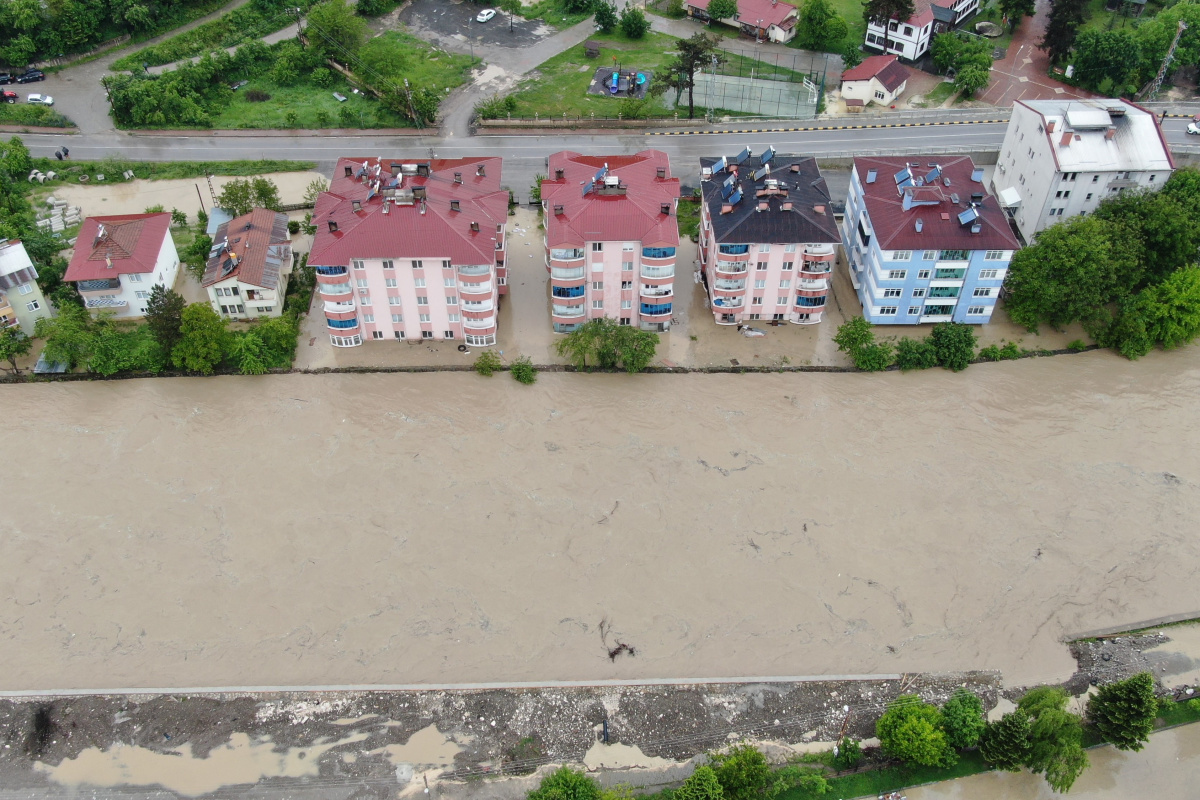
878, 79
248, 266
1060, 158
411, 249
768, 239
611, 239
119, 259
910, 39
770, 20
925, 242
21, 300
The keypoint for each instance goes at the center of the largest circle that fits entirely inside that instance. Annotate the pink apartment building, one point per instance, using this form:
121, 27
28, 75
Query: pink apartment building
768, 239
611, 238
411, 249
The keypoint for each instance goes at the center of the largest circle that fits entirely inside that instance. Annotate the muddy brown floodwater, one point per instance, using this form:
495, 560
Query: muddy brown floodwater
445, 528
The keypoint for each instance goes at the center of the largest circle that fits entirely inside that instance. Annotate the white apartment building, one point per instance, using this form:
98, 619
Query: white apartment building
119, 259
248, 267
910, 39
21, 300
1061, 158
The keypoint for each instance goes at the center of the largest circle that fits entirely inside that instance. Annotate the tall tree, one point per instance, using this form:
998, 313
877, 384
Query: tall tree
691, 55
1055, 737
820, 27
633, 22
1124, 711
912, 730
164, 316
1170, 311
722, 9
203, 343
13, 344
606, 18
335, 31
1114, 55
1061, 28
1014, 10
1005, 743
962, 717
882, 12
69, 336
609, 346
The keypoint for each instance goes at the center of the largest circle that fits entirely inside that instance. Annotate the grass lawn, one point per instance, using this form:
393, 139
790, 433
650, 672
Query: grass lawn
314, 107
876, 782
852, 12
940, 94
32, 115
397, 55
551, 12
1097, 18
560, 84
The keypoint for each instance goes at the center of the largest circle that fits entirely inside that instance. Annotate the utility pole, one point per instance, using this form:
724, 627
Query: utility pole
1162, 71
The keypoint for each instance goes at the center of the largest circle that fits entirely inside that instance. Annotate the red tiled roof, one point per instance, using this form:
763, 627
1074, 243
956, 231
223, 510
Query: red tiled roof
253, 249
887, 69
895, 228
635, 216
429, 229
750, 11
131, 242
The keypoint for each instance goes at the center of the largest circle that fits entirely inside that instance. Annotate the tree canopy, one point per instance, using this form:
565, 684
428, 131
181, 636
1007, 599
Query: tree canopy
821, 28
241, 195
1014, 10
691, 55
335, 31
164, 316
1055, 737
13, 344
604, 343
1062, 27
1124, 711
962, 717
700, 785
203, 340
722, 9
1005, 743
913, 730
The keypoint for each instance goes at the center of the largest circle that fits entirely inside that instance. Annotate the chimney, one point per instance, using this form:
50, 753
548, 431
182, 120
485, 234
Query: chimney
480, 171
332, 226
349, 172
819, 209
386, 206
727, 209
1050, 126
785, 207
665, 208
475, 227
356, 205
558, 174
919, 224
1109, 134
795, 167
1066, 139
395, 168
422, 208
558, 210
419, 193
661, 173
108, 259
763, 206
458, 177
454, 206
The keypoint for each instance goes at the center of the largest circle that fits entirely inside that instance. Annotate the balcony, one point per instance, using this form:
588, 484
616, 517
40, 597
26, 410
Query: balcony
815, 267
728, 285
810, 286
104, 302
568, 291
656, 310
734, 249
810, 302
342, 324
335, 288
475, 288
731, 267
338, 308
566, 254
102, 285
476, 324
330, 271
562, 274
649, 271
474, 269
728, 302
658, 252
568, 311
486, 305
657, 291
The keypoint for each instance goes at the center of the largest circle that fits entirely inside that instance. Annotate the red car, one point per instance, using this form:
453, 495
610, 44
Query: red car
10, 97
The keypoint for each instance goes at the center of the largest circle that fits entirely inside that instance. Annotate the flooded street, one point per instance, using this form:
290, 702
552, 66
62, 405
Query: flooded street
446, 528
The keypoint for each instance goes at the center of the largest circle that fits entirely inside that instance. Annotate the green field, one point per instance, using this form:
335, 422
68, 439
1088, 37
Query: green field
34, 116
314, 107
1097, 18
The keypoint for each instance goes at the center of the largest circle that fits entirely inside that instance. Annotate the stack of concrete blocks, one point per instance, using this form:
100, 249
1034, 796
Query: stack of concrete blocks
57, 216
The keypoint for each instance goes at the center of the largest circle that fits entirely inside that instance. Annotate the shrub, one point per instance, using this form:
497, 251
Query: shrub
566, 784
1004, 744
322, 77
487, 363
962, 717
291, 119
743, 772
633, 22
293, 226
522, 370
257, 96
1076, 346
1124, 711
912, 730
848, 755
496, 107
915, 354
322, 117
874, 357
1008, 352
700, 785
954, 344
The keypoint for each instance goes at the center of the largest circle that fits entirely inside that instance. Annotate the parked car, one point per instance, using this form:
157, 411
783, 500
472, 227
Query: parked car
31, 75
41, 99
1193, 129
9, 97
5, 78
485, 15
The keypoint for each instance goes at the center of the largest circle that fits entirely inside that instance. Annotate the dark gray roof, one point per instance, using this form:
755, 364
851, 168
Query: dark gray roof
806, 192
942, 14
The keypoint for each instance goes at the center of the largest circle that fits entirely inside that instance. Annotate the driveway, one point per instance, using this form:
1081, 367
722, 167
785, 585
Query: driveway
1022, 73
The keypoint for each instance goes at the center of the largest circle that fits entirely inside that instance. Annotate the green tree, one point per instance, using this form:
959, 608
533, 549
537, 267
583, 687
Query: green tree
954, 344
849, 753
608, 345
68, 336
488, 363
119, 349
1062, 27
856, 338
722, 9
915, 354
820, 27
852, 55
13, 344
634, 23
702, 784
743, 773
522, 370
16, 159
164, 316
1124, 711
1113, 55
971, 78
911, 730
881, 12
691, 55
1014, 10
247, 352
1172, 308
606, 17
278, 336
1055, 737
203, 342
962, 718
240, 196
945, 50
335, 31
313, 191
1166, 224
566, 784
1004, 744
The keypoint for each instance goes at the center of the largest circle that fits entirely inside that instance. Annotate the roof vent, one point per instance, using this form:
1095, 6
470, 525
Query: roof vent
419, 192
977, 174
795, 167
763, 206
395, 168
945, 216
421, 208
356, 205
332, 226
108, 259
1050, 126
945, 181
872, 174
819, 209
454, 206
479, 171
475, 227
349, 171
977, 197
423, 170
976, 228
661, 173
386, 206
458, 177
558, 174
785, 207
559, 210
1066, 139
665, 208
726, 209
919, 224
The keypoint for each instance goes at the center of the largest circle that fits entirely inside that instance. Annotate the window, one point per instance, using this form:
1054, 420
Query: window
422, 300
33, 305
1089, 196
135, 277
929, 255
953, 255
445, 263
756, 301
389, 283
908, 30
893, 292
994, 255
448, 334
1070, 176
626, 284
397, 318
786, 283
900, 255
597, 304
787, 265
597, 247
423, 317
454, 317
399, 335
224, 309
789, 248
781, 300
760, 284
376, 334
416, 264
627, 246
779, 317
451, 300
762, 266
914, 311
880, 95
1152, 179
141, 295
975, 311
26, 288
448, 282
887, 311
988, 274
426, 334
364, 299
368, 317
419, 283
626, 304
361, 283
918, 293
241, 309
358, 263
983, 291
267, 309
627, 266
1095, 179
389, 264
393, 300
764, 248
923, 274
897, 274
597, 285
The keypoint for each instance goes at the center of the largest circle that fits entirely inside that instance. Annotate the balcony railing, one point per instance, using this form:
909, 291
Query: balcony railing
658, 252
475, 288
732, 267
810, 302
566, 255
656, 310
338, 308
105, 302
567, 274
814, 285
728, 285
474, 269
486, 305
475, 324
568, 291
568, 311
657, 291
330, 270
734, 249
101, 285
342, 324
335, 288
658, 272
728, 302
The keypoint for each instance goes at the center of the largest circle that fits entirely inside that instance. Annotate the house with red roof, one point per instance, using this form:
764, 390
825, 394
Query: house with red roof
411, 249
910, 38
611, 239
248, 267
925, 241
878, 79
772, 20
118, 259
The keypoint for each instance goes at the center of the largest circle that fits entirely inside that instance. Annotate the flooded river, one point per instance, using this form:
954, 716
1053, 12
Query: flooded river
446, 528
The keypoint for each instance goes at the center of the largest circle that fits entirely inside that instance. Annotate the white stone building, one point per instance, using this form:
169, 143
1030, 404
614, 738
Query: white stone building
248, 267
119, 259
